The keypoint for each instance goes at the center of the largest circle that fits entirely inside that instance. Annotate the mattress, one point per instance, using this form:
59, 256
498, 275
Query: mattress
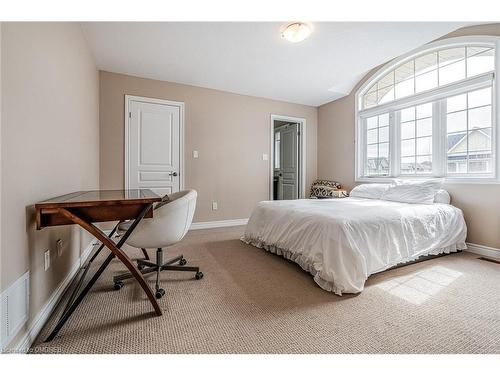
341, 242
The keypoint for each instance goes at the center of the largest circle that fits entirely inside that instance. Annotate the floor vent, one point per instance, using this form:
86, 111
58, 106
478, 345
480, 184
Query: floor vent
489, 260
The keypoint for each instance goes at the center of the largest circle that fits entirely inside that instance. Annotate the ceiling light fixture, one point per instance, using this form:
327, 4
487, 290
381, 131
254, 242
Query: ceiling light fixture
296, 32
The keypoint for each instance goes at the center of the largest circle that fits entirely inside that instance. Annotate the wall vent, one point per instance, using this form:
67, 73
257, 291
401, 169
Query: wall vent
15, 309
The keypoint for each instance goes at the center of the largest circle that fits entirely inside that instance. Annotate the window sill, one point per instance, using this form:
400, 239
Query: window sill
446, 180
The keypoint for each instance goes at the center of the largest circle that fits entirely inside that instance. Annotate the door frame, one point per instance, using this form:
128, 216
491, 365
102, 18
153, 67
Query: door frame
302, 153
143, 99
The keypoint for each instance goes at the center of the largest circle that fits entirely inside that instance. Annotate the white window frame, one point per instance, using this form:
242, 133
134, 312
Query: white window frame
433, 95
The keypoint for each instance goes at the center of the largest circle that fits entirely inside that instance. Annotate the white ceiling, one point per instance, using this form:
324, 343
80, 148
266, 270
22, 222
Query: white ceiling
252, 59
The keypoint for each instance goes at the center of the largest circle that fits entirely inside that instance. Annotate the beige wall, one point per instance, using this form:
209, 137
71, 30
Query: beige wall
480, 202
230, 131
49, 146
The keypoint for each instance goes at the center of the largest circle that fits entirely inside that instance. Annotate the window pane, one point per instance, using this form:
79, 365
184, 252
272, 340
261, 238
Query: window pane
386, 94
424, 110
408, 147
372, 151
479, 98
475, 50
404, 72
481, 63
457, 142
456, 121
383, 120
408, 130
371, 136
408, 114
424, 127
370, 99
479, 140
383, 150
383, 135
426, 81
452, 73
387, 80
456, 103
371, 122
480, 117
426, 63
480, 162
405, 88
480, 166
424, 164
408, 165
457, 163
424, 146
451, 55
377, 145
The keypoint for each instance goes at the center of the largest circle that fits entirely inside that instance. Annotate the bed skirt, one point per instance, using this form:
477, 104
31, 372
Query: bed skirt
307, 265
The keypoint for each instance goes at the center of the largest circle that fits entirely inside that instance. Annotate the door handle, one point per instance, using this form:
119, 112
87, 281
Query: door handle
173, 174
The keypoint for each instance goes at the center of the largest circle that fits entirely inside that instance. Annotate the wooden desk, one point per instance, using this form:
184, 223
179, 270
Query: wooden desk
87, 207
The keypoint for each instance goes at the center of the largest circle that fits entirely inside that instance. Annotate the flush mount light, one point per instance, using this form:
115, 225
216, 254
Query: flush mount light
296, 32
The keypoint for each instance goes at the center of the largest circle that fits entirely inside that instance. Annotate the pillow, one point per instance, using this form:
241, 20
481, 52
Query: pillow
442, 196
408, 191
323, 188
370, 191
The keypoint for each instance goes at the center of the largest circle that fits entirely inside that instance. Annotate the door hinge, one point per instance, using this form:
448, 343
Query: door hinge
130, 115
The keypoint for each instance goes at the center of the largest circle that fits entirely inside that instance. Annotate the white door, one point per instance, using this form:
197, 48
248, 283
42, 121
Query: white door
153, 149
289, 160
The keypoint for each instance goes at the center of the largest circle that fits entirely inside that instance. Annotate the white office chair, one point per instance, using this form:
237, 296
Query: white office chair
170, 223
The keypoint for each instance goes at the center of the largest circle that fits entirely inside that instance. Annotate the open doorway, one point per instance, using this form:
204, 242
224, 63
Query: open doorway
287, 158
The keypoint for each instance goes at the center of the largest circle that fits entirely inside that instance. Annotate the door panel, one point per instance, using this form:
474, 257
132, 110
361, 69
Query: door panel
153, 147
289, 162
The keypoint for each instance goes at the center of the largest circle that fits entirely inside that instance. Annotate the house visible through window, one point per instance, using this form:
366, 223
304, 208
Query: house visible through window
431, 115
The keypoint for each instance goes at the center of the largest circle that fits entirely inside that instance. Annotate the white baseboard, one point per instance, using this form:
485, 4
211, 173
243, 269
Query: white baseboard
483, 250
218, 224
41, 318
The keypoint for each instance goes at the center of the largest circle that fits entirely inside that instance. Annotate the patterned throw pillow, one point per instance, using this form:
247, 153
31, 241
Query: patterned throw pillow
324, 188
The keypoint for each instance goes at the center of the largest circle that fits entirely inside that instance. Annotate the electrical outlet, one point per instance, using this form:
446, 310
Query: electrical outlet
47, 260
59, 246
214, 206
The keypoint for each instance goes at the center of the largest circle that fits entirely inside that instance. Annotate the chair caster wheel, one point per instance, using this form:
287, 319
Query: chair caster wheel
182, 262
118, 285
199, 275
159, 293
140, 267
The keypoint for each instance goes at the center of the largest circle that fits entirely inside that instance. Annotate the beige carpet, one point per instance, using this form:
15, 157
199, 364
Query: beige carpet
251, 301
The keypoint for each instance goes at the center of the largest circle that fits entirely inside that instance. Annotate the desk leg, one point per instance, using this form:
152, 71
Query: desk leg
86, 268
115, 251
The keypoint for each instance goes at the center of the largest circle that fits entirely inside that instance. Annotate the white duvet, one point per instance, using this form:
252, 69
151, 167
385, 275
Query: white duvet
343, 241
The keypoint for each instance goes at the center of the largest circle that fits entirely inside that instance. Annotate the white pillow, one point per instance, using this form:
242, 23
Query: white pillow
408, 191
370, 191
442, 196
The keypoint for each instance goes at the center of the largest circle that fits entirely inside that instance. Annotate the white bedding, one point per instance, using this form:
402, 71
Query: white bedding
343, 241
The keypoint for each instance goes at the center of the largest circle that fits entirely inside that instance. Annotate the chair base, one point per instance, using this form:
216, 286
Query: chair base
145, 266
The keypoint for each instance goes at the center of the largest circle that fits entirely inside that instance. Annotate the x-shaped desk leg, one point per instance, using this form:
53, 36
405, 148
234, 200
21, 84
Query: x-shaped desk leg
115, 252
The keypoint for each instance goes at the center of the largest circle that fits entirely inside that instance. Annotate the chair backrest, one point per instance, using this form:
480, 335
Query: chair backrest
169, 224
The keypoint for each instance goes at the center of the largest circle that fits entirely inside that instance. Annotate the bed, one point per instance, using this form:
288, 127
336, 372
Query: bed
343, 241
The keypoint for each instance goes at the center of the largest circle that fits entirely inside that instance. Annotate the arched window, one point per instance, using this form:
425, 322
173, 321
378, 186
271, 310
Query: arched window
431, 113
